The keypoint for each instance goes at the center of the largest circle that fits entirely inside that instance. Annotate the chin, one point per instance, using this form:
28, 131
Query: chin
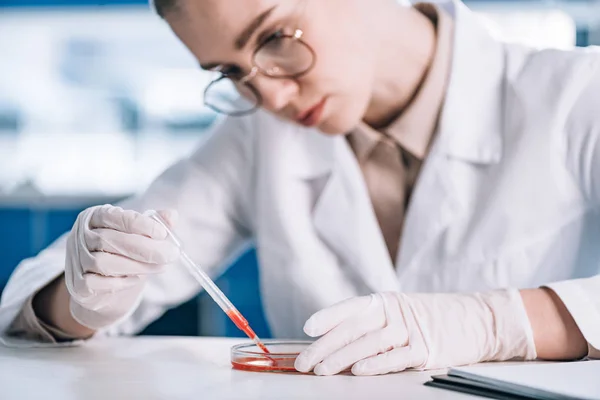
338, 126
342, 119
327, 130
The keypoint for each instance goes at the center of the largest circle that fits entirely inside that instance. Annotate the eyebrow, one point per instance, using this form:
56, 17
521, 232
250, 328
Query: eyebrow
243, 38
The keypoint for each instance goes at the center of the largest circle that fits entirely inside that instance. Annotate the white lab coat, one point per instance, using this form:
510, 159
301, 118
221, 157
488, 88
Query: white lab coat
508, 197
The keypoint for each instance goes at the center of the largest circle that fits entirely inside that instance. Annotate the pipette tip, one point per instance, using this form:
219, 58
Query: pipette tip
260, 344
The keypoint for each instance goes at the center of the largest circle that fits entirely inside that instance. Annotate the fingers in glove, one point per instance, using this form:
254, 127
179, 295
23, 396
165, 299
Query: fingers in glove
395, 360
365, 321
372, 344
127, 221
114, 265
133, 246
325, 320
91, 284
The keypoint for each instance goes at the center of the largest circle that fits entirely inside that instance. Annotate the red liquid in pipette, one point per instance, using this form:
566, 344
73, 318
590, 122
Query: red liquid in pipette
239, 321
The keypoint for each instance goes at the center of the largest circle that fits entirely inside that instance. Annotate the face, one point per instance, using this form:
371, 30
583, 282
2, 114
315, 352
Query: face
332, 96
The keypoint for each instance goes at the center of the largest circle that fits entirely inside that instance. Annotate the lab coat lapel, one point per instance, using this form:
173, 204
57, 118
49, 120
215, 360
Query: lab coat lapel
433, 205
343, 217
469, 136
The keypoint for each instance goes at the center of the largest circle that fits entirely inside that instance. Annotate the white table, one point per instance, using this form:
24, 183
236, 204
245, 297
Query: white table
181, 368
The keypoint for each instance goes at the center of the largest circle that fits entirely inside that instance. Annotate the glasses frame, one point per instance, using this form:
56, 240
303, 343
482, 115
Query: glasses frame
256, 69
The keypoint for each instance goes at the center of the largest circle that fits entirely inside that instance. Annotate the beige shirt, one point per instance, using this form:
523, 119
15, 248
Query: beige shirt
391, 159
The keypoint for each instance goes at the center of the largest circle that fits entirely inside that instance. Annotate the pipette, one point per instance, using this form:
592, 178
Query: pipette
209, 285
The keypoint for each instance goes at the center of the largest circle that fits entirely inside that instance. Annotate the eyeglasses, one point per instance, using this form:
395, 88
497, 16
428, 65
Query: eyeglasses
280, 57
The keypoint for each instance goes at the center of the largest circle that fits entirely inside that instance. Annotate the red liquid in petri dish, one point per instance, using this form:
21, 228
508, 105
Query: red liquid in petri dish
282, 356
263, 365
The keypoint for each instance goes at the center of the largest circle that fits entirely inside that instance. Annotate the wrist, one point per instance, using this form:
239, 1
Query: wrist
51, 306
556, 334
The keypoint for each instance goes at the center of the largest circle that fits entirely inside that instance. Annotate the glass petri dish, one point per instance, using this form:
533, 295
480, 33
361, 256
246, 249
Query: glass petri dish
281, 357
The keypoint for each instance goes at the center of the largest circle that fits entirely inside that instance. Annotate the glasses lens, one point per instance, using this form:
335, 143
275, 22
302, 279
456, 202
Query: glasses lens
226, 97
284, 57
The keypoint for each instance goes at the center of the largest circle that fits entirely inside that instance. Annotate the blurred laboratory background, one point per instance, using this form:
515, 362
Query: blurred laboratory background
97, 97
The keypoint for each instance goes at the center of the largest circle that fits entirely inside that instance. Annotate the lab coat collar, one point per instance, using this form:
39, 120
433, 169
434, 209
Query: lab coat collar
344, 218
470, 124
342, 213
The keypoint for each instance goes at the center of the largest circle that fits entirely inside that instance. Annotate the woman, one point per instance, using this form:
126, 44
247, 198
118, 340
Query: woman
432, 190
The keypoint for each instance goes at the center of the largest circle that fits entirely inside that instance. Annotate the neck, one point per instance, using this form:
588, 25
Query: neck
405, 54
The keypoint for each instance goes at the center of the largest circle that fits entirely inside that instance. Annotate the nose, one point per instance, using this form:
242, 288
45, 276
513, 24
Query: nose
276, 93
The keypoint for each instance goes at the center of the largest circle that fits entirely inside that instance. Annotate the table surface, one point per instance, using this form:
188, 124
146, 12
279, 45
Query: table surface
182, 368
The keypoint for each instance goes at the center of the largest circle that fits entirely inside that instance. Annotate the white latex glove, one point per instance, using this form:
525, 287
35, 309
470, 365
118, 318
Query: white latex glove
391, 332
110, 253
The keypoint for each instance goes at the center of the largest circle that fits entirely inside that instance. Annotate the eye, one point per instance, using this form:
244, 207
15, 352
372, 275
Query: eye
270, 37
231, 71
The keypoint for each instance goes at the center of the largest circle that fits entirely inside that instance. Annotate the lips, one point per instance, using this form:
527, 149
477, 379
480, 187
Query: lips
312, 116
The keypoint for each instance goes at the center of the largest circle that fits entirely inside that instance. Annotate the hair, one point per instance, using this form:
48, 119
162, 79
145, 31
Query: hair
163, 7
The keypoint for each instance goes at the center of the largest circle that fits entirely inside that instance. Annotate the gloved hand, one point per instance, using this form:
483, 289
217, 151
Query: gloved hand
391, 332
110, 253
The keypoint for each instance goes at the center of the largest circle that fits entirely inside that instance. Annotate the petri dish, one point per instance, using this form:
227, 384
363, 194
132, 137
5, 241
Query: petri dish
281, 357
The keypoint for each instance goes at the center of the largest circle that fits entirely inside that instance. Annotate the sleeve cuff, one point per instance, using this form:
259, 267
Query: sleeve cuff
28, 326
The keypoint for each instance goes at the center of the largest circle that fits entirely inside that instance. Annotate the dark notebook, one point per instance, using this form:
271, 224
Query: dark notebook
541, 381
